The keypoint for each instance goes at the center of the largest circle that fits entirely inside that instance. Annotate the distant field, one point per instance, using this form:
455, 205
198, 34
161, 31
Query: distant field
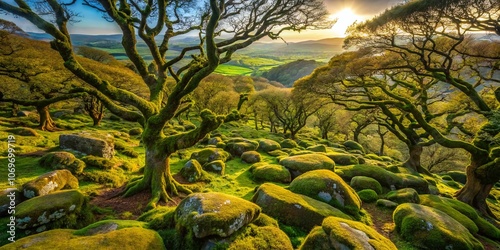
232, 70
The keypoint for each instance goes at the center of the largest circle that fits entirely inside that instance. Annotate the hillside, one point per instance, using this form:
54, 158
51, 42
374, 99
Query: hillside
288, 73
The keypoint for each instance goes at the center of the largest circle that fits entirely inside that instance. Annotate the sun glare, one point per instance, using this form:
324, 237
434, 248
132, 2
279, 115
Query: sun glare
345, 17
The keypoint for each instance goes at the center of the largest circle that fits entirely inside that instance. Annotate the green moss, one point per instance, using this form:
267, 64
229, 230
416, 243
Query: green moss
62, 160
317, 148
363, 182
210, 154
384, 177
287, 206
404, 195
125, 239
99, 162
130, 152
463, 213
368, 195
64, 209
50, 182
343, 159
22, 131
254, 238
308, 162
265, 220
289, 143
193, 172
428, 227
272, 172
267, 145
206, 214
108, 225
159, 218
355, 235
374, 157
114, 178
326, 186
458, 176
296, 234
352, 145
135, 131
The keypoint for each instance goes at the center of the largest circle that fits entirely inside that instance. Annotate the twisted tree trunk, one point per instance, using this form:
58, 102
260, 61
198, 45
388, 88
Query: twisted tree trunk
46, 122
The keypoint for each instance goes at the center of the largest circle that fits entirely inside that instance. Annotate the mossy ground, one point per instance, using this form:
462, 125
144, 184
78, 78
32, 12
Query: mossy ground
237, 180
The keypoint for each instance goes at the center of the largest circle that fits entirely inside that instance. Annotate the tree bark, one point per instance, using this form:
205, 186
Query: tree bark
157, 178
413, 162
475, 191
46, 122
15, 109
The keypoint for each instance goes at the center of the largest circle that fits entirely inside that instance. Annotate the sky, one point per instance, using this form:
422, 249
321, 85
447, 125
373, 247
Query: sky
346, 12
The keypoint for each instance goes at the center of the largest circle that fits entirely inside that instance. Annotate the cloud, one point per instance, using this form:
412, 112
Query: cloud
361, 7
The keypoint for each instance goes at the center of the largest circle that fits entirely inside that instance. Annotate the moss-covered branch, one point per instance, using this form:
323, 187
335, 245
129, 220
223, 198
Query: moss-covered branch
44, 102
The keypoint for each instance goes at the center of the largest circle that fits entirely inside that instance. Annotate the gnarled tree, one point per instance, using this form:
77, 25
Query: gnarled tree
235, 24
434, 39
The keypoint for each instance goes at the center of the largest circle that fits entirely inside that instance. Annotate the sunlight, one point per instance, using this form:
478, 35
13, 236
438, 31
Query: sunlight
345, 17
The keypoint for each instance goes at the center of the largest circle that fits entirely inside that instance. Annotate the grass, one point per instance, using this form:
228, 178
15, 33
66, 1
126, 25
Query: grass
232, 70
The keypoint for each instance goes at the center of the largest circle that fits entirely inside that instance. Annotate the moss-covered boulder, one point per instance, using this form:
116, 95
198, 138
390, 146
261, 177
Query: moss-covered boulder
130, 238
206, 214
326, 186
99, 162
368, 195
9, 197
238, 147
192, 171
352, 145
317, 148
135, 131
62, 160
404, 195
89, 143
268, 145
210, 154
288, 143
343, 159
39, 212
106, 226
293, 209
339, 234
251, 157
217, 166
364, 182
214, 140
299, 164
386, 178
463, 213
431, 228
271, 172
49, 183
386, 203
277, 153
253, 237
458, 176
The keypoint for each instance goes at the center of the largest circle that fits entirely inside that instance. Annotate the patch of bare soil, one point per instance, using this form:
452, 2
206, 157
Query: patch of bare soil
111, 199
382, 220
